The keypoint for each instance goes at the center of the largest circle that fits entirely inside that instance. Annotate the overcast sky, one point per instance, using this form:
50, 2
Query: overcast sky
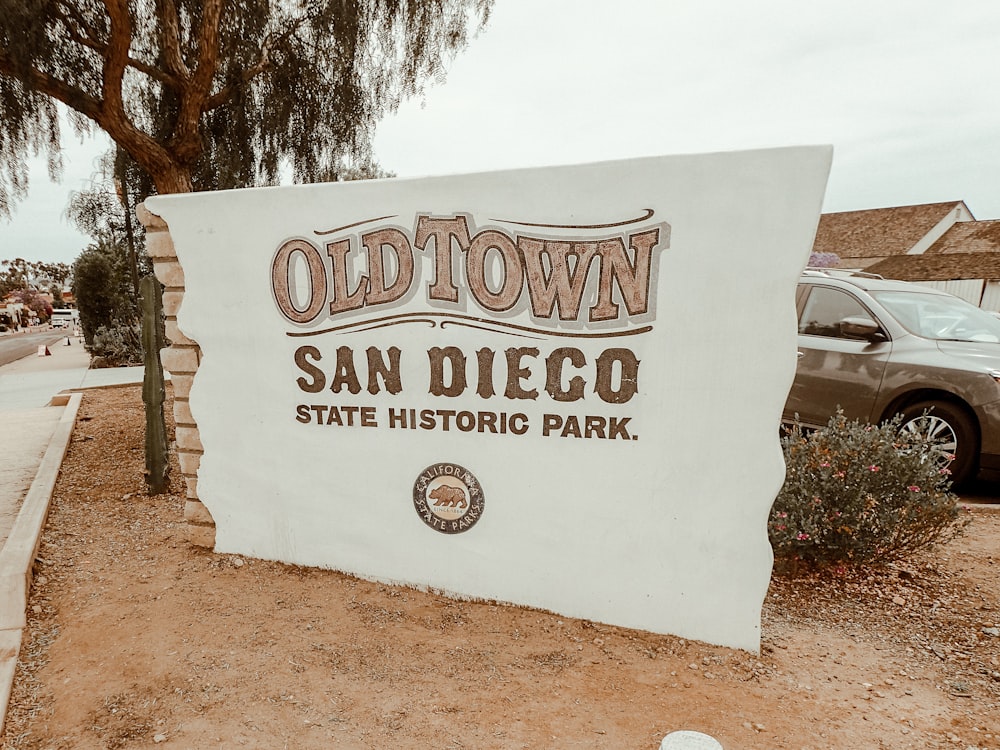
905, 90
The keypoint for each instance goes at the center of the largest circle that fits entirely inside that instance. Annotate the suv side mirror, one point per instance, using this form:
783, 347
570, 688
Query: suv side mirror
856, 327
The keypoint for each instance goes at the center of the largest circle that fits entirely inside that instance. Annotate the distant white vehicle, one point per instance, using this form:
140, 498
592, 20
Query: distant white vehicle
65, 318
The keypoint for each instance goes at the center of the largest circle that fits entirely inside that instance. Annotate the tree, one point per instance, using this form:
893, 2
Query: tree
101, 288
97, 211
368, 171
210, 94
103, 212
18, 273
32, 300
13, 275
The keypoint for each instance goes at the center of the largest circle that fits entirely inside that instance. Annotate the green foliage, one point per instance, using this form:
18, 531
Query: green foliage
116, 346
860, 493
369, 170
100, 212
102, 287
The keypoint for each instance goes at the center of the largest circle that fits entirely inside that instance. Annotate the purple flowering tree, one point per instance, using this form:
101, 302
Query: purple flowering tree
824, 260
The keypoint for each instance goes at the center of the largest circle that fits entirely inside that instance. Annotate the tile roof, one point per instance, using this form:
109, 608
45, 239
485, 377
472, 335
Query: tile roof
859, 263
939, 266
878, 232
969, 237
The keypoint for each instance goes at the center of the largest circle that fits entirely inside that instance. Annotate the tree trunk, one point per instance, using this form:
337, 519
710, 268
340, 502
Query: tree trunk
173, 179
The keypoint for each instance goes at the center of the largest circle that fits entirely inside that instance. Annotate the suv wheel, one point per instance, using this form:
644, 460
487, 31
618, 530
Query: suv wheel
950, 431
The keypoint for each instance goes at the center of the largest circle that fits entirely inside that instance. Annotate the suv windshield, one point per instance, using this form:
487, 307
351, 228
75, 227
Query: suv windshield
940, 317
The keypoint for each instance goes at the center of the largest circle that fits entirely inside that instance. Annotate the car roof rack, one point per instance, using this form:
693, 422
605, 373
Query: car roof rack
820, 271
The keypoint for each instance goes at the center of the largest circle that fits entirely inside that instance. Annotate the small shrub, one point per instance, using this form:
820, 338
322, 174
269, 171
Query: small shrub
860, 493
116, 346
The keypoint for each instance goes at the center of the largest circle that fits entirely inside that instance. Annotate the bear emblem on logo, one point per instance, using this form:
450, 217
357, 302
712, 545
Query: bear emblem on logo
450, 497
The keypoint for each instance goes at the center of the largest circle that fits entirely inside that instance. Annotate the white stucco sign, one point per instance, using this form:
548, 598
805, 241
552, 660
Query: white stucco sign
553, 387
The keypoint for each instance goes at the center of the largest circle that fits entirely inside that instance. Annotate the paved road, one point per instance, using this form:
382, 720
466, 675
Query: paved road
19, 345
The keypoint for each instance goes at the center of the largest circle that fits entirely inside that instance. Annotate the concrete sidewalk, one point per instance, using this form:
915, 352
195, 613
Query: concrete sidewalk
28, 421
32, 381
37, 414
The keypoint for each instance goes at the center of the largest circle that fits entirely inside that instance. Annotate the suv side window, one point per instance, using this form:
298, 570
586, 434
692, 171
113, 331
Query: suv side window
825, 308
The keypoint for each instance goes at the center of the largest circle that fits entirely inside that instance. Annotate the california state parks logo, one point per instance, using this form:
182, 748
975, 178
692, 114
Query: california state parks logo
448, 498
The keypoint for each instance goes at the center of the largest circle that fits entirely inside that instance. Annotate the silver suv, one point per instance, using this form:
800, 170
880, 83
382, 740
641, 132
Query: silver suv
876, 348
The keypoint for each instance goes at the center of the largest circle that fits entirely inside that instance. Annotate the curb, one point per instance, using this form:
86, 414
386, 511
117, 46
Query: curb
17, 557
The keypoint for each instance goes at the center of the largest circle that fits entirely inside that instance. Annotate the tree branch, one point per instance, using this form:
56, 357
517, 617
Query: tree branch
264, 63
116, 59
69, 14
223, 95
49, 85
88, 38
145, 150
108, 111
186, 140
172, 57
112, 116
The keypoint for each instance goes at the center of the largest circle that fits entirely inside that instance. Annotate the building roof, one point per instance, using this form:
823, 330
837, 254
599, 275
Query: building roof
878, 232
939, 266
859, 263
969, 237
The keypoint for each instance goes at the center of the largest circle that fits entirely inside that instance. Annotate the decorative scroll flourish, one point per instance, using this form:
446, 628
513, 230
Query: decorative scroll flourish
467, 321
351, 226
647, 215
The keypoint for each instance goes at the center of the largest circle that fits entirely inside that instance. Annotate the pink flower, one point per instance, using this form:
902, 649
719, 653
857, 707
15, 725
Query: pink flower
874, 468
825, 464
839, 474
913, 488
781, 527
802, 536
782, 514
944, 472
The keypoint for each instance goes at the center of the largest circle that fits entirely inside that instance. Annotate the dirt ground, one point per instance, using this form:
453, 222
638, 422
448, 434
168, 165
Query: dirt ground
137, 640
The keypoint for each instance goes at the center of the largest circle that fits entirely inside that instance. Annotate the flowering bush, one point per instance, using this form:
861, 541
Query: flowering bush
860, 493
